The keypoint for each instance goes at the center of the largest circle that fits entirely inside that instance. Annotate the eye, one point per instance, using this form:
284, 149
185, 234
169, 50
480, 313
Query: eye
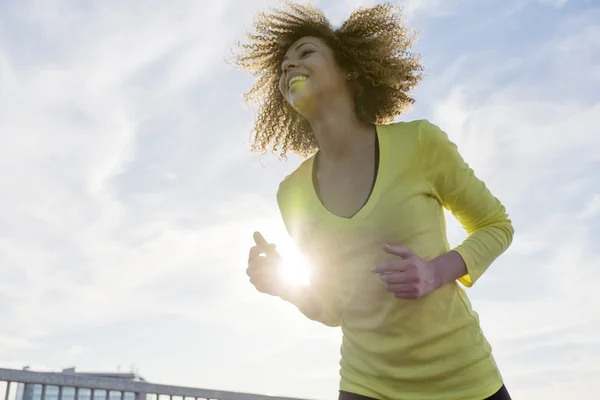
303, 54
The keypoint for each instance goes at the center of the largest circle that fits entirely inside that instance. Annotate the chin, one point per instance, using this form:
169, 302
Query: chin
304, 103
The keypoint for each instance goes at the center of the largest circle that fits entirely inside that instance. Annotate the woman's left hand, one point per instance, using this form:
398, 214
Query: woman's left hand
409, 276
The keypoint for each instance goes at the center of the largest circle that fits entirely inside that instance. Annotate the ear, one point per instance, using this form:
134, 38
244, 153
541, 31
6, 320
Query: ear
352, 75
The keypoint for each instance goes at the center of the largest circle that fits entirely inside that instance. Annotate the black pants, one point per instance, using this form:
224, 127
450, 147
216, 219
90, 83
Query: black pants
501, 394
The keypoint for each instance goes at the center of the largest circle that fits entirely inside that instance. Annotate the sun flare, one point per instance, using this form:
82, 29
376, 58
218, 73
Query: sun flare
295, 271
295, 266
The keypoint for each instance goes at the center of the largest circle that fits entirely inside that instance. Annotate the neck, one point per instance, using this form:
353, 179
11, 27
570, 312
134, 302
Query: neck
339, 131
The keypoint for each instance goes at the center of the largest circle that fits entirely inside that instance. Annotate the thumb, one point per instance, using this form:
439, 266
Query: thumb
399, 251
262, 243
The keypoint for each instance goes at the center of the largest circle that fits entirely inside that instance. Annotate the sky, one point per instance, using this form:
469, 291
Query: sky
128, 195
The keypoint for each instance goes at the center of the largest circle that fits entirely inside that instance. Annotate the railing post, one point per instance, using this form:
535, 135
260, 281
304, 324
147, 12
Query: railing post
7, 390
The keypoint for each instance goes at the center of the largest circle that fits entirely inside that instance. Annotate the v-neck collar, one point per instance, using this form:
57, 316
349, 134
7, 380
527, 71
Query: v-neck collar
375, 191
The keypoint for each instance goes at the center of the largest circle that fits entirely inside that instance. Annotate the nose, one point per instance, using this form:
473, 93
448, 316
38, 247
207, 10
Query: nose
288, 64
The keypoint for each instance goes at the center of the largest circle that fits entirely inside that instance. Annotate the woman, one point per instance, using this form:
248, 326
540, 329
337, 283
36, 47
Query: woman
366, 206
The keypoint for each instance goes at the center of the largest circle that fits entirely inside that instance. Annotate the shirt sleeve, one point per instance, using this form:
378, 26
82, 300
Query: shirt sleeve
481, 215
317, 300
313, 305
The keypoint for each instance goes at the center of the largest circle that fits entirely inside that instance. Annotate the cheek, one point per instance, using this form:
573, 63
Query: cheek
328, 77
282, 87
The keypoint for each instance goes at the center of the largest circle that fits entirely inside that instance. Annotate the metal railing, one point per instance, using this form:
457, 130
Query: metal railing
22, 385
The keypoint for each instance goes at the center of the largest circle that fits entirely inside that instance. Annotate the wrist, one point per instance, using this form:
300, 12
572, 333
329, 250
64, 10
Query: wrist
447, 268
287, 292
437, 276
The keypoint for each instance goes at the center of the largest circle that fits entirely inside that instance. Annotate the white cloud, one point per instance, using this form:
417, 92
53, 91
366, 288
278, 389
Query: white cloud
77, 350
592, 207
553, 3
338, 11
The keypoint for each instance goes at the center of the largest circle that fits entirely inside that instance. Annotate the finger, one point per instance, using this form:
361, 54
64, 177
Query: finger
398, 265
407, 295
258, 265
400, 288
402, 252
259, 277
399, 277
254, 252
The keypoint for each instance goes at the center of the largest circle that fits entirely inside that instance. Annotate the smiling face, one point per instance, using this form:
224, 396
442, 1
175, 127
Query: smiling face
310, 75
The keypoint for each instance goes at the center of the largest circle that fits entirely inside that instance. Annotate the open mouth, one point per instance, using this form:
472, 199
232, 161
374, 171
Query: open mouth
296, 80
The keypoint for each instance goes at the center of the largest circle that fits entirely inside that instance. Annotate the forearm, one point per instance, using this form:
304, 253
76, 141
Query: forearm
482, 247
306, 300
300, 296
448, 268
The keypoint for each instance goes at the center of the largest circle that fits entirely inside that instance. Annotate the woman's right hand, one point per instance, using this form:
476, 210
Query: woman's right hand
264, 267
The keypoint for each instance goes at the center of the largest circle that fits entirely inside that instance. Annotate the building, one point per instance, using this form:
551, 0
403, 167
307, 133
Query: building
70, 385
29, 391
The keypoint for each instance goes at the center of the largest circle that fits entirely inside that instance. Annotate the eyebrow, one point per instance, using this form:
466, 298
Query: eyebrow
297, 47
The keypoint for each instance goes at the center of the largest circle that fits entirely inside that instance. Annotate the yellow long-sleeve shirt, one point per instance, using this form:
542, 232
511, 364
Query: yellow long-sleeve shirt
430, 348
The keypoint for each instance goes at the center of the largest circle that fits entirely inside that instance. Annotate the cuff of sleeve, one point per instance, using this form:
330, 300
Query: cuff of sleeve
472, 275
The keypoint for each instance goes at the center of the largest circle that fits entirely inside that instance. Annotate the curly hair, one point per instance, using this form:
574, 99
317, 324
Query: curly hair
373, 42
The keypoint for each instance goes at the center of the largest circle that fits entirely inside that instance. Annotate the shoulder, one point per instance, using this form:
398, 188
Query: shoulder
422, 133
404, 138
404, 132
414, 128
292, 196
401, 127
293, 184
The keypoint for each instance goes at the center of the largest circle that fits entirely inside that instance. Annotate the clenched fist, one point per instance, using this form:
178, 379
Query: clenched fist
264, 267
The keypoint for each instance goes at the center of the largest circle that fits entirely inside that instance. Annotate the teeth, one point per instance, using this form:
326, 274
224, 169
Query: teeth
296, 79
